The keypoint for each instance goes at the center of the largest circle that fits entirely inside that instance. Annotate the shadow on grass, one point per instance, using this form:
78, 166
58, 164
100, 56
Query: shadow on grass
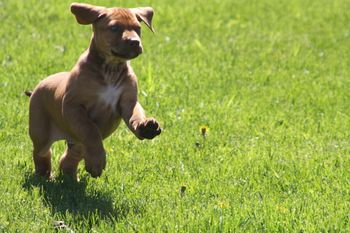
63, 195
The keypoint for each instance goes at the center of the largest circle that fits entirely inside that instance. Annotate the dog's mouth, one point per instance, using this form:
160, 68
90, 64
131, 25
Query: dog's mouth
117, 54
129, 55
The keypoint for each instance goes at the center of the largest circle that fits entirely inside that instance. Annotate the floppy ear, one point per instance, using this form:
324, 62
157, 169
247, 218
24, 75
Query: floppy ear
86, 13
144, 14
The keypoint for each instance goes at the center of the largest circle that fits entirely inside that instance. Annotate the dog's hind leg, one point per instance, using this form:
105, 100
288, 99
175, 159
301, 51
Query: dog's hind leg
70, 159
42, 159
42, 156
39, 131
41, 151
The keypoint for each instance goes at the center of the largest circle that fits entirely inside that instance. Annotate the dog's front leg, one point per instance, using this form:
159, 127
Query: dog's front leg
134, 116
86, 132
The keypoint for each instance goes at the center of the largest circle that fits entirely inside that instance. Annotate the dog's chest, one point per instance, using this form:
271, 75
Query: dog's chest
109, 96
110, 92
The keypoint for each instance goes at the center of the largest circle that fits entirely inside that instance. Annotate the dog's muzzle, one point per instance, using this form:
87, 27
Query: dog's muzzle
131, 49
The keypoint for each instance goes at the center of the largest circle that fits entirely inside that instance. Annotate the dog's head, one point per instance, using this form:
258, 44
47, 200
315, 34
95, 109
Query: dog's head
117, 31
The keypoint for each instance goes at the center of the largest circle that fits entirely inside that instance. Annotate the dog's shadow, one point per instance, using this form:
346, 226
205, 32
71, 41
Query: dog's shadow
63, 194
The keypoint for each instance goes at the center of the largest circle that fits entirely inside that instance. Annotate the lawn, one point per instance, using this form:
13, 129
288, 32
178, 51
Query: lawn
268, 79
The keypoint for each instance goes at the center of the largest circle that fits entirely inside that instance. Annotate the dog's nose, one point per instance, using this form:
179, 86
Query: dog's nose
134, 43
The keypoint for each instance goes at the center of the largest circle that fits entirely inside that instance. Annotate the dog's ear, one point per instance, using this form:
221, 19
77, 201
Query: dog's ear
86, 13
144, 14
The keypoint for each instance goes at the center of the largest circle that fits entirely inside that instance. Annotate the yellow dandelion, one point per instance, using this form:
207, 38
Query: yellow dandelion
223, 204
282, 209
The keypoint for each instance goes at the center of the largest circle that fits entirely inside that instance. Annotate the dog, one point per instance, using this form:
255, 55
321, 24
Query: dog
85, 105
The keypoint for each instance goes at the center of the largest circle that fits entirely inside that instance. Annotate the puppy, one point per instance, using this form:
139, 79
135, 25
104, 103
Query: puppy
84, 106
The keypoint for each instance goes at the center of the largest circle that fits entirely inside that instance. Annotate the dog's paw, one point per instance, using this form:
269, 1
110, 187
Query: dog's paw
95, 163
149, 129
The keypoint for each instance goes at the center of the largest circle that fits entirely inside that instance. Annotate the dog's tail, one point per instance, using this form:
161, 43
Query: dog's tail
28, 93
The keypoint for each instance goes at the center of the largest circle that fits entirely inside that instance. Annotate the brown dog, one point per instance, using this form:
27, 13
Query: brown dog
85, 105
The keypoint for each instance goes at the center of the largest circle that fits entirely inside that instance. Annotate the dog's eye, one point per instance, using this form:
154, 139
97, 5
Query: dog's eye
115, 28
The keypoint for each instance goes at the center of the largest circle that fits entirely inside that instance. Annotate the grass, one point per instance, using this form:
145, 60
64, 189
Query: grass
269, 78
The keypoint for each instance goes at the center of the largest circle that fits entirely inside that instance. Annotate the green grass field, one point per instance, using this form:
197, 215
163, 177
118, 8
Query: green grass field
269, 78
